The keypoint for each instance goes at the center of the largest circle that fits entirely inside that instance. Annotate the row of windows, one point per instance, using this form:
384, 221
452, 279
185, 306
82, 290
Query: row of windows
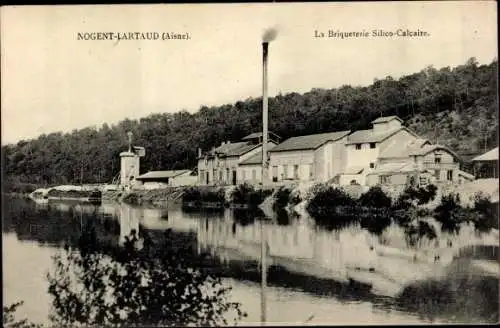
386, 179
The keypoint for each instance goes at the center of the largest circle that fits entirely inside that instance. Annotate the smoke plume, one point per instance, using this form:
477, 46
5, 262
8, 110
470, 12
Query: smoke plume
269, 35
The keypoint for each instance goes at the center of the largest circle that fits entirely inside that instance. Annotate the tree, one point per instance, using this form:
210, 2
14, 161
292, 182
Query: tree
129, 286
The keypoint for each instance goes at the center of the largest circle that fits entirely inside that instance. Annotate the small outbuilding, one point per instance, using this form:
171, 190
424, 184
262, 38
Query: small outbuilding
486, 165
158, 179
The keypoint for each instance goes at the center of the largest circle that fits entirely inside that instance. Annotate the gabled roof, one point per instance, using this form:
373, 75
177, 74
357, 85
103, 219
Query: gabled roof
259, 135
491, 155
161, 174
235, 149
397, 150
309, 142
386, 119
253, 160
364, 136
429, 148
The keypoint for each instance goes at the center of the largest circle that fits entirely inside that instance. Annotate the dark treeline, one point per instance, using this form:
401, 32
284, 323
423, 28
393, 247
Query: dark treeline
456, 107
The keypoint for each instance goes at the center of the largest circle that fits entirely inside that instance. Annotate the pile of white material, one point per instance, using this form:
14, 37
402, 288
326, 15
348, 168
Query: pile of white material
67, 188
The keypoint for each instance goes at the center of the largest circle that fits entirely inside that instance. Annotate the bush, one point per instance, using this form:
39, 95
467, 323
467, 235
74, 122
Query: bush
199, 195
449, 213
333, 208
281, 198
294, 198
285, 196
131, 199
484, 213
420, 195
375, 197
136, 288
247, 194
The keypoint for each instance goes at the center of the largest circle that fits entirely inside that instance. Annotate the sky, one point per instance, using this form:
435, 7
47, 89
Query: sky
51, 81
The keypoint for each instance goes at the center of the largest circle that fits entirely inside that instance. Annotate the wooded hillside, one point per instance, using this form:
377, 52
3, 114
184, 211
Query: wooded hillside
457, 107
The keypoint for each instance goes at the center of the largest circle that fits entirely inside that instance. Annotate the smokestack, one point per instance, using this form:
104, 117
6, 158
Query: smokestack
265, 46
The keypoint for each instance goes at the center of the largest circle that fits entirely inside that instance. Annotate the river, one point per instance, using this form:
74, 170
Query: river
32, 233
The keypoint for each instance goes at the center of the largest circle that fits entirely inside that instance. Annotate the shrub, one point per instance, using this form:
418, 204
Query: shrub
294, 198
420, 195
449, 213
484, 213
131, 198
281, 198
375, 197
208, 195
333, 208
136, 288
247, 194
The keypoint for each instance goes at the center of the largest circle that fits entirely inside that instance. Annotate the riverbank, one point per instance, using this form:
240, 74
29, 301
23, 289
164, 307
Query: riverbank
202, 197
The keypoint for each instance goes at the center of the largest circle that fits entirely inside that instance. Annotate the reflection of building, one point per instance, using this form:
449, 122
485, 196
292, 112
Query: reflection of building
311, 249
129, 220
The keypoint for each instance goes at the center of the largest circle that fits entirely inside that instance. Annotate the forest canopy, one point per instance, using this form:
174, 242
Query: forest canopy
456, 107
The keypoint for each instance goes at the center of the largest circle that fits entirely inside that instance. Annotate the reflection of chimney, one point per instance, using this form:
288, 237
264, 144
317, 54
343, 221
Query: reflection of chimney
264, 109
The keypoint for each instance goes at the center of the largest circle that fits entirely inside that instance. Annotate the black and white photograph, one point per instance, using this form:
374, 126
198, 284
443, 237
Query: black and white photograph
250, 164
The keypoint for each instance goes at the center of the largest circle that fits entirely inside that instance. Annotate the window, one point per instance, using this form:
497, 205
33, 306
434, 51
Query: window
437, 174
372, 145
295, 171
285, 171
202, 175
254, 174
228, 174
244, 174
437, 160
358, 146
221, 175
275, 173
449, 175
385, 179
372, 165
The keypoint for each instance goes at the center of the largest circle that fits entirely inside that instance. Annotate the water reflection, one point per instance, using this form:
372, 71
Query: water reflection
302, 257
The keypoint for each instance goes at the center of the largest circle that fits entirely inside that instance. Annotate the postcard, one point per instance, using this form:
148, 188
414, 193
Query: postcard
250, 164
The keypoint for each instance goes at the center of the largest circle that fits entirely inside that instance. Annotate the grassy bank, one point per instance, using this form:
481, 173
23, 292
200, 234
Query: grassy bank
240, 196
